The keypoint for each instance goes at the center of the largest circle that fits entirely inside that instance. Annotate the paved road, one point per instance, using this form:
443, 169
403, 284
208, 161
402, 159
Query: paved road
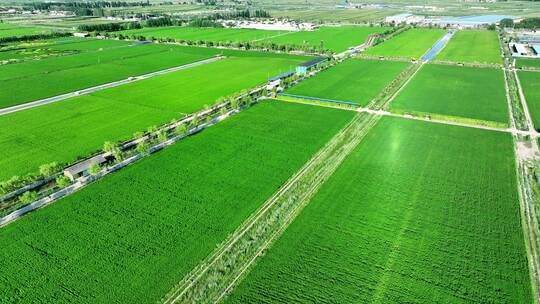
45, 101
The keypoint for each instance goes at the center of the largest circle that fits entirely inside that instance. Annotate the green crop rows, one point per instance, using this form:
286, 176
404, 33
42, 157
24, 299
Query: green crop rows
354, 80
475, 93
418, 213
106, 63
530, 82
131, 236
204, 34
10, 30
472, 47
528, 62
337, 39
412, 43
75, 127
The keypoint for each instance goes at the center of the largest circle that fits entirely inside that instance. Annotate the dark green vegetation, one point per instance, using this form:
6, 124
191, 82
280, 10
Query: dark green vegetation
355, 80
412, 43
131, 236
102, 62
530, 82
472, 47
475, 93
430, 215
75, 127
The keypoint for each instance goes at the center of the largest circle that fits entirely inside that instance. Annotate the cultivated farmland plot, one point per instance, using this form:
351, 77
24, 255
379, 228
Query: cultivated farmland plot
412, 44
530, 82
464, 92
132, 236
337, 39
105, 64
418, 213
204, 34
473, 47
354, 80
75, 127
11, 30
526, 62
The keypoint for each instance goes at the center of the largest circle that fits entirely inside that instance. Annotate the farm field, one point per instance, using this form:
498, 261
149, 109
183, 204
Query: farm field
530, 82
10, 30
132, 236
472, 47
469, 93
526, 62
47, 77
337, 39
430, 215
412, 43
203, 33
334, 15
354, 80
78, 126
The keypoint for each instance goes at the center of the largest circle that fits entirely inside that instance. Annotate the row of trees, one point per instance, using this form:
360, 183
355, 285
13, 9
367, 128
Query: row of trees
86, 4
109, 27
246, 45
34, 37
527, 23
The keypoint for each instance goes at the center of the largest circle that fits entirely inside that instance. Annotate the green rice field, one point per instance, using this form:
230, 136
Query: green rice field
133, 235
473, 93
11, 30
107, 62
204, 33
354, 80
75, 127
527, 62
530, 82
472, 47
412, 44
418, 213
337, 39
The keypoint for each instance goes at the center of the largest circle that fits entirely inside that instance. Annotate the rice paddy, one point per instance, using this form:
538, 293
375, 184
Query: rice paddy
430, 215
454, 91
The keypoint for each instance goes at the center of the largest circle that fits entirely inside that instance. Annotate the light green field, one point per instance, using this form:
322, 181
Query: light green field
335, 38
75, 127
325, 14
354, 80
130, 237
474, 93
412, 43
203, 33
418, 213
530, 83
473, 47
10, 30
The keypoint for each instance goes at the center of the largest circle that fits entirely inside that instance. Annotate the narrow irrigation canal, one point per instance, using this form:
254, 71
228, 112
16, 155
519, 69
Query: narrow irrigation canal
438, 46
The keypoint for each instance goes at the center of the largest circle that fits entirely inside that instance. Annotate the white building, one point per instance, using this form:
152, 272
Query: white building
404, 18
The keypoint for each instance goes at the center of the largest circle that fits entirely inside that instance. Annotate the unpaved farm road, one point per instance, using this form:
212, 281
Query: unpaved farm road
45, 101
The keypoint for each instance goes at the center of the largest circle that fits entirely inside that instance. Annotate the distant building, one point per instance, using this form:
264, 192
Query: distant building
82, 35
404, 18
525, 50
303, 68
81, 169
